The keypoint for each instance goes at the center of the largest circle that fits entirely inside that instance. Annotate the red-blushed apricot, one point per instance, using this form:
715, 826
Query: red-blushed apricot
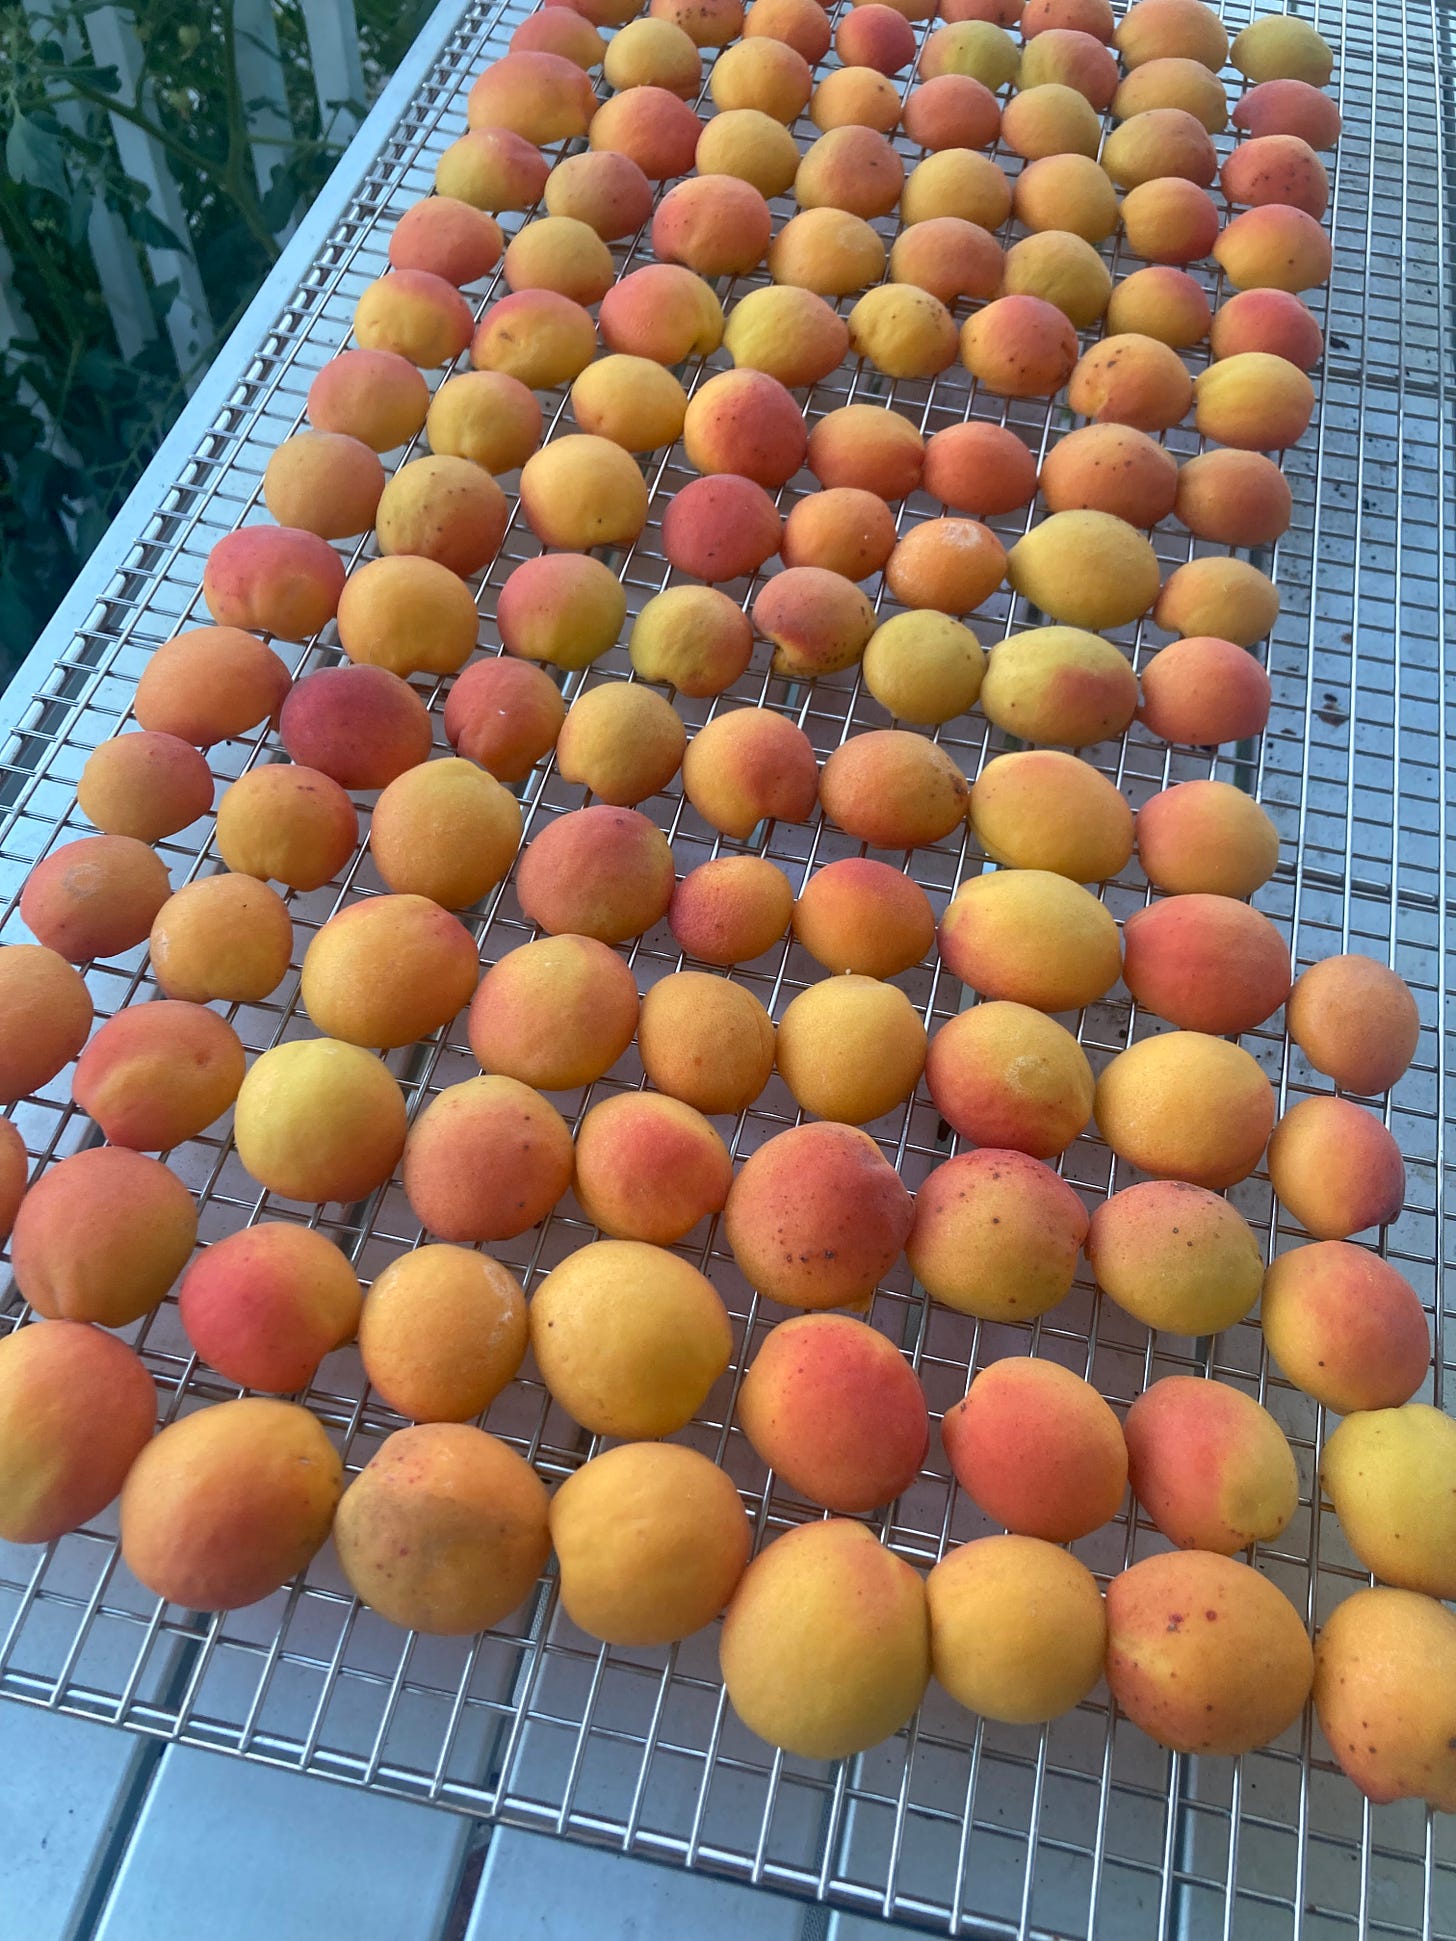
629, 1338
544, 97
408, 615
1110, 468
294, 825
878, 37
274, 580
96, 897
1216, 595
1002, 1074
1235, 498
14, 1175
324, 482
1085, 569
971, 46
654, 128
1000, 13
788, 333
850, 1049
1037, 1449
649, 1167
948, 258
902, 330
1209, 1465
158, 1074
851, 168
731, 910
559, 253
721, 527
1044, 809
706, 1041
745, 423
443, 508
1066, 57
996, 1235
893, 789
485, 416
1336, 1167
598, 872
979, 467
1282, 47
1273, 321
802, 24
1169, 220
373, 395
692, 637
563, 608
504, 714
750, 145
956, 182
1066, 192
146, 785
416, 315
1050, 120
1059, 685
828, 251
842, 531
707, 23
1207, 836
578, 492
485, 1160
1019, 347
1133, 381
1032, 937
555, 1014
560, 30
492, 169
362, 726
1356, 1021
1274, 248
748, 766
656, 54
223, 937
76, 1409
444, 1530
264, 1306
1204, 1654
443, 830
45, 1015
1345, 1327
1276, 168
817, 621
1160, 302
1383, 1653
1154, 30
1142, 1109
817, 1216
1203, 691
765, 74
602, 188
716, 225
1176, 1256
1092, 17
318, 1120
442, 1333
610, 13
856, 97
208, 685
538, 337
869, 447
864, 917
1205, 963
951, 565
447, 237
1159, 143
815, 1385
952, 111
1288, 107
387, 971
1253, 401
621, 741
922, 666
101, 1236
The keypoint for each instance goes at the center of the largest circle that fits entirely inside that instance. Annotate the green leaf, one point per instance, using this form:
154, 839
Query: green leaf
34, 155
149, 231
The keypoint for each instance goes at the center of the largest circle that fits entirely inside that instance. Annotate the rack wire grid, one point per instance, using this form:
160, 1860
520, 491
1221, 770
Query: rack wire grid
956, 1824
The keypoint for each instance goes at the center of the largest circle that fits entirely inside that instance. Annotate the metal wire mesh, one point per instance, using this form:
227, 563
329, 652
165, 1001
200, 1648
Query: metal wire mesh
955, 1824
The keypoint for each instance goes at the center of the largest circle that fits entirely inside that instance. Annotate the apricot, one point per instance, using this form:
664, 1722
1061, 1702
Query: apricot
1000, 13
801, 24
318, 1120
817, 621
415, 314
1155, 30
705, 1041
952, 111
629, 1338
1050, 120
210, 684
1092, 17
996, 1235
1206, 836
101, 1236
1062, 270
851, 168
444, 1530
979, 467
1356, 1021
388, 971
707, 23
983, 1651
599, 872
1253, 401
1133, 381
295, 825
538, 337
1288, 107
1173, 82
851, 1049
376, 396
1169, 220
731, 910
765, 74
443, 508
825, 1649
362, 726
1389, 1656
651, 1539
956, 182
95, 897
948, 258
1068, 192
1043, 809
76, 1410
488, 417
45, 1015
1216, 595
560, 30
273, 580
844, 531
745, 423
265, 1305
324, 482
1235, 498
952, 565
1276, 168
827, 251
1388, 1474
492, 169
485, 1160
223, 937
902, 330
656, 54
893, 789
878, 37
1203, 691
504, 714
1204, 1654
578, 492
1059, 684
555, 1014
442, 1333
721, 527
1033, 937
788, 333
156, 1075
1019, 347
621, 741
1280, 47
1142, 1109
543, 97
1067, 57
1005, 1075
860, 916
748, 766
408, 615
1037, 1449
1160, 302
146, 785
867, 447
1205, 963
692, 637
1336, 1168
748, 144
979, 48
1209, 1466
922, 666
14, 1174
1274, 248
716, 225
1110, 468
1159, 142
1272, 321
649, 1168
602, 188
565, 609
1344, 1325
856, 97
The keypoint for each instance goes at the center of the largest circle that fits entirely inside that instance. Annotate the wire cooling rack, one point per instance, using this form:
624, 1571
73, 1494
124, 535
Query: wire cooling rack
955, 1824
